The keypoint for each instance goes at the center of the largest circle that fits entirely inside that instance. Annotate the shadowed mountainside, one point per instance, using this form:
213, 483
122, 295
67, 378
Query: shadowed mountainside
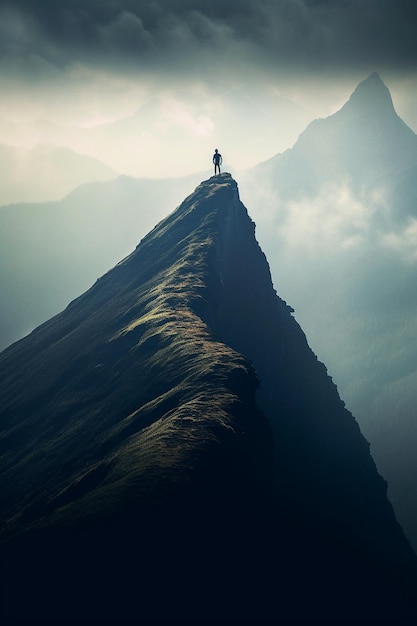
337, 218
144, 477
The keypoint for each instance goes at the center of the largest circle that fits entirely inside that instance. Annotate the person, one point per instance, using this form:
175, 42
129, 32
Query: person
217, 160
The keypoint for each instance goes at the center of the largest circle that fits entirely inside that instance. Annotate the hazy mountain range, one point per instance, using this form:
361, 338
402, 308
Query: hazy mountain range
46, 172
172, 450
174, 118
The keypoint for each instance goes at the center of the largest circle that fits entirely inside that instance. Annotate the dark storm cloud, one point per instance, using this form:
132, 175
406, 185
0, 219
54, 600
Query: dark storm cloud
297, 35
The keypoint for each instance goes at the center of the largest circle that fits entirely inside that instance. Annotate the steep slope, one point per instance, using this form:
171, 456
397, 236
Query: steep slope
51, 252
337, 219
144, 478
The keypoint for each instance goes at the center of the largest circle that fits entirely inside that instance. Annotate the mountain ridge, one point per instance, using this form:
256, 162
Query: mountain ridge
56, 250
131, 425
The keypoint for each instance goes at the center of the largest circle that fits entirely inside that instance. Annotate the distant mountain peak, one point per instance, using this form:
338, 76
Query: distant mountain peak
371, 94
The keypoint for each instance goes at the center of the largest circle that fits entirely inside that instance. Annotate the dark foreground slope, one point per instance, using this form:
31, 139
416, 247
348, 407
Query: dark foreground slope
143, 476
340, 209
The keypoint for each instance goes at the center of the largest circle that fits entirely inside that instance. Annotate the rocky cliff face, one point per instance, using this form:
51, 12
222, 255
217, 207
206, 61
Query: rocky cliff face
173, 450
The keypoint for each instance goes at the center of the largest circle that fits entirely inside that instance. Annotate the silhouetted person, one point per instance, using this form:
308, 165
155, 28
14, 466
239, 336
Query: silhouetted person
217, 160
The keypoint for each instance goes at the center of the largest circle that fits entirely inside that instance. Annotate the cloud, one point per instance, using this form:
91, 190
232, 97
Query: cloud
403, 242
281, 41
17, 32
125, 35
175, 112
288, 34
83, 63
336, 219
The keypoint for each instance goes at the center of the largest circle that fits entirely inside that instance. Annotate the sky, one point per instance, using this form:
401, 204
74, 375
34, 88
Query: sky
152, 87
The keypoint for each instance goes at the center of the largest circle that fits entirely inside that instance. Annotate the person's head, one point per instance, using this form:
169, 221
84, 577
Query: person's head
215, 150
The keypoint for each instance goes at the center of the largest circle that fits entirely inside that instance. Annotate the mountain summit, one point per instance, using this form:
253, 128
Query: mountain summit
362, 145
373, 94
172, 449
370, 110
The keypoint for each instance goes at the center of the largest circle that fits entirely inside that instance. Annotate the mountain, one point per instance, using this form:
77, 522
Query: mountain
360, 145
172, 450
46, 173
337, 218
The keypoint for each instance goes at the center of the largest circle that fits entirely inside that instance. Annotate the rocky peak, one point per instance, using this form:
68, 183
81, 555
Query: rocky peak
371, 95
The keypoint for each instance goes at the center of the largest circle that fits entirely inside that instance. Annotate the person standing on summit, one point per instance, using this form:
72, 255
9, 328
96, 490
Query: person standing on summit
217, 160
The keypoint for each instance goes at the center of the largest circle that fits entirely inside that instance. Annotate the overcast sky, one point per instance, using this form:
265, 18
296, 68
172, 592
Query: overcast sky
73, 64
